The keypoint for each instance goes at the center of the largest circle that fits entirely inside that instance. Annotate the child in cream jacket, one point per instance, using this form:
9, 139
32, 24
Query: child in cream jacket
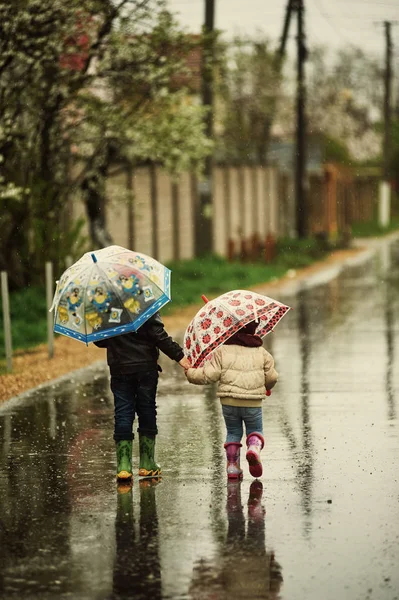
244, 371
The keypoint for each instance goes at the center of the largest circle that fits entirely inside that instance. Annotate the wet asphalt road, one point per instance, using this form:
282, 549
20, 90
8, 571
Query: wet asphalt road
322, 524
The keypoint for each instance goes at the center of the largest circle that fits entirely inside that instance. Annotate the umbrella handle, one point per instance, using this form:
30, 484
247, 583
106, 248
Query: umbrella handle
268, 392
205, 299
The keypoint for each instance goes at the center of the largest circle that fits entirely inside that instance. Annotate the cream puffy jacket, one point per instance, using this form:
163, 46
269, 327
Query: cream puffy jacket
243, 374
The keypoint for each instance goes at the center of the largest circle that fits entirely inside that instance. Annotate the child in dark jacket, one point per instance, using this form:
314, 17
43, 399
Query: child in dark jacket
133, 362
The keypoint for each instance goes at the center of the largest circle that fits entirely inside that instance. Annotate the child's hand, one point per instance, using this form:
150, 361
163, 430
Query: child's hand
184, 362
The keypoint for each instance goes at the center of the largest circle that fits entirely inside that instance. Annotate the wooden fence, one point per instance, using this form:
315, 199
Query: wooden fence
146, 209
338, 198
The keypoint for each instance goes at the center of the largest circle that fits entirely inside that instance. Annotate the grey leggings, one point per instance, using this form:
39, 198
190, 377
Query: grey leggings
235, 416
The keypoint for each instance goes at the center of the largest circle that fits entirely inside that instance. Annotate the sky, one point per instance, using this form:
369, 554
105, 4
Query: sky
336, 23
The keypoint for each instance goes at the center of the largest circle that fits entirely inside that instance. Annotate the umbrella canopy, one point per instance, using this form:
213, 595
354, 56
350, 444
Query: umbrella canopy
109, 292
222, 317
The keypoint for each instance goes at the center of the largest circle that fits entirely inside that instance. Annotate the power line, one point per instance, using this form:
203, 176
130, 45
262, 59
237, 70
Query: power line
323, 13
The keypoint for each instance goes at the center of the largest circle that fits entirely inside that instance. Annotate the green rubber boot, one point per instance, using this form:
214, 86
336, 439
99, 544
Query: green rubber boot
124, 459
148, 467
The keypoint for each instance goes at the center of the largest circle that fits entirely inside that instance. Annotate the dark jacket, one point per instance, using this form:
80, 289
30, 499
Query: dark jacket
139, 351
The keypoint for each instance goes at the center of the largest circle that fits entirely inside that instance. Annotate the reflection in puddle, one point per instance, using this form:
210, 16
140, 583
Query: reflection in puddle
243, 567
137, 568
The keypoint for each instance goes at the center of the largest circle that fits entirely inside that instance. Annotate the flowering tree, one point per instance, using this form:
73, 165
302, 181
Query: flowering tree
90, 81
345, 100
136, 110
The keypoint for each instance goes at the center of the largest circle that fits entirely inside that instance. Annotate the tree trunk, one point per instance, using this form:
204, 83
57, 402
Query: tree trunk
93, 187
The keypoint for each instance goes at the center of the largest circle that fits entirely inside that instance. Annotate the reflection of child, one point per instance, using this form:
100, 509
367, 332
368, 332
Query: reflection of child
244, 568
138, 539
132, 360
244, 371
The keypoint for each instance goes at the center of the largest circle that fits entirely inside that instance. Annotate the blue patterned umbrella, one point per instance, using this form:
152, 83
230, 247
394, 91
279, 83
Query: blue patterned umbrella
109, 292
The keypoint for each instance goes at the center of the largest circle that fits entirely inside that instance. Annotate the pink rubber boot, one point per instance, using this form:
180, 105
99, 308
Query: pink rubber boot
233, 460
255, 443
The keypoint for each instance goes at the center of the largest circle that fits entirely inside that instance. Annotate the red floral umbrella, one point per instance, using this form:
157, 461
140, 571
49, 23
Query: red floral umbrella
220, 318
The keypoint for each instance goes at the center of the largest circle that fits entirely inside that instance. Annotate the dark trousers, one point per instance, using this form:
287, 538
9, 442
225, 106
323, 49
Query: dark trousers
135, 394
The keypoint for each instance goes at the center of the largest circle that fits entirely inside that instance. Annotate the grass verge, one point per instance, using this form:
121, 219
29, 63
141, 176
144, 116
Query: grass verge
213, 275
373, 229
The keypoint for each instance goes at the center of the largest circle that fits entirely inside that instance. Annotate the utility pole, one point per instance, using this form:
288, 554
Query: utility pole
300, 154
203, 234
278, 60
387, 98
283, 41
385, 190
